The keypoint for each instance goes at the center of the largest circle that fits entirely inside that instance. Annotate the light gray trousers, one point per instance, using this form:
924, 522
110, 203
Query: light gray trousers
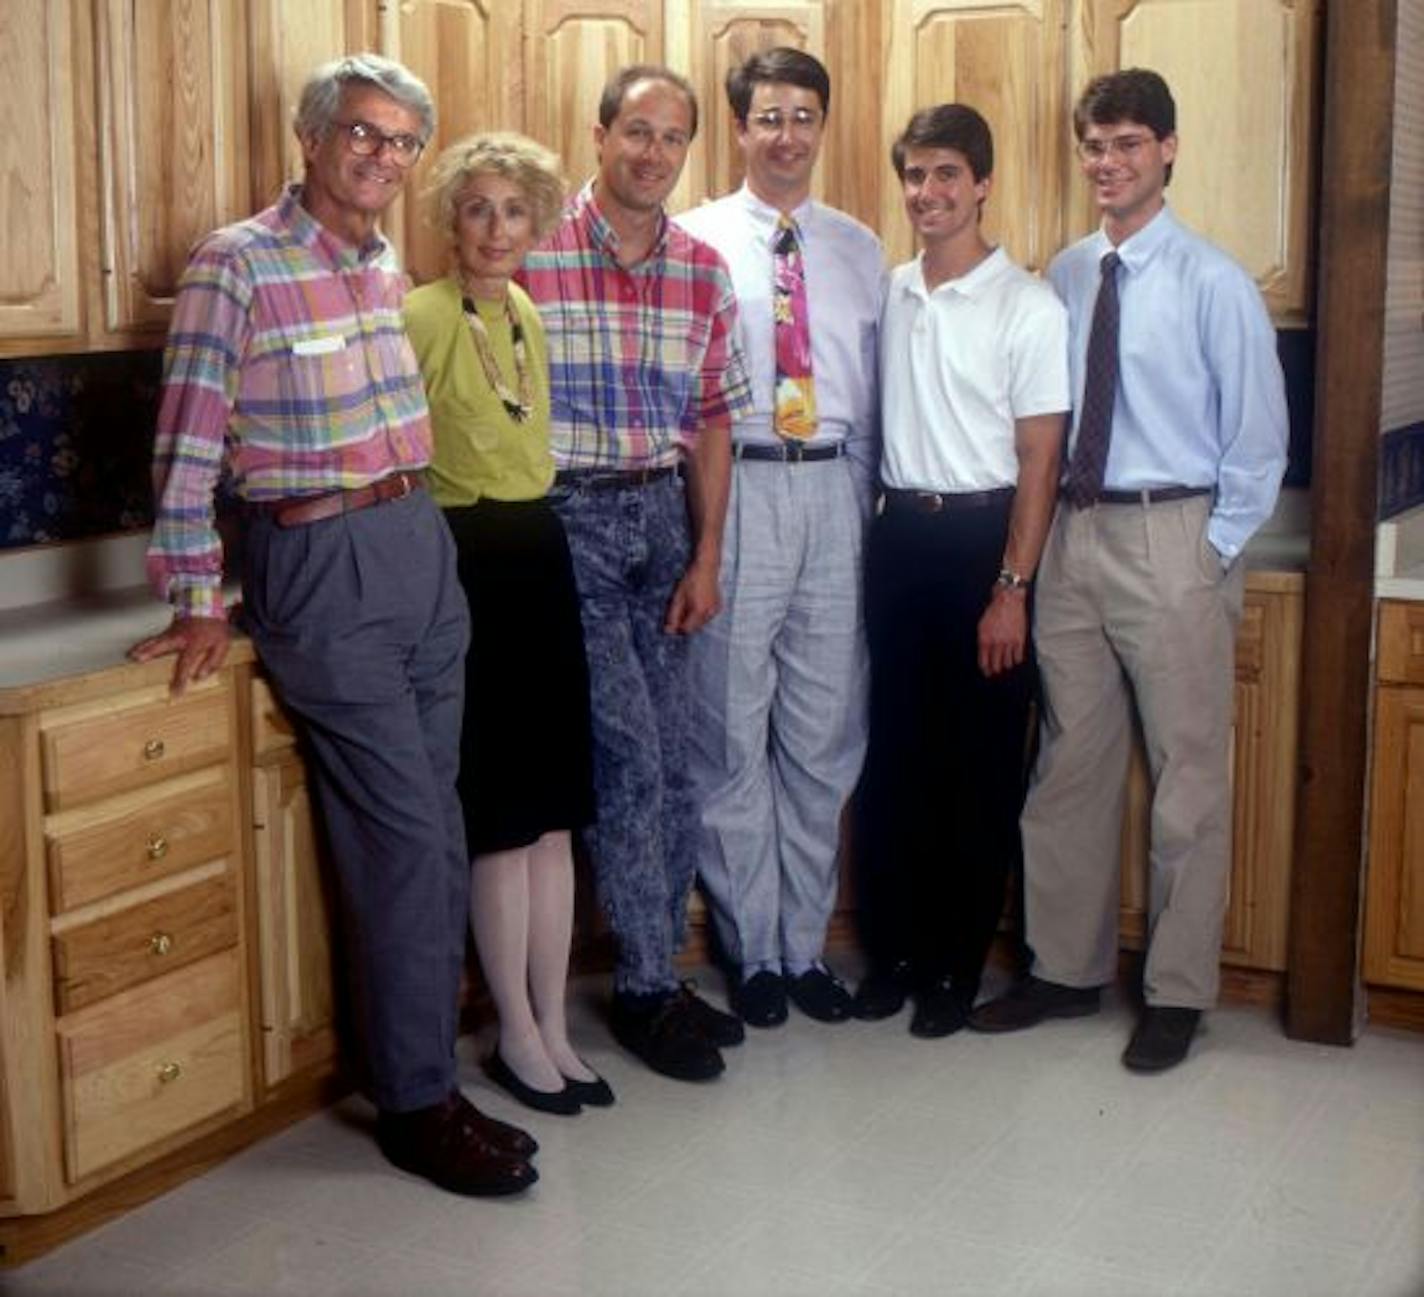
779, 698
1133, 606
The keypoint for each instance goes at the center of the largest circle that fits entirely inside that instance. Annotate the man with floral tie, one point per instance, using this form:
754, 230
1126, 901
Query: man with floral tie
780, 676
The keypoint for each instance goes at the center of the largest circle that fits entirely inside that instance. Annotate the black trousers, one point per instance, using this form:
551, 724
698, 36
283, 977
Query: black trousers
937, 815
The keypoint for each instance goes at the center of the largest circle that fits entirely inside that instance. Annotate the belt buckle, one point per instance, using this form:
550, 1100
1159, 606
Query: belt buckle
930, 501
406, 486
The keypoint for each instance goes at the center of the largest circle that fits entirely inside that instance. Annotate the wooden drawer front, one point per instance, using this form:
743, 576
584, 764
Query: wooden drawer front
113, 752
272, 729
137, 838
98, 959
145, 1065
1400, 655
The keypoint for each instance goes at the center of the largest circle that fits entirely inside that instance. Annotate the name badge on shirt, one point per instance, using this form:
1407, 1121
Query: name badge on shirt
327, 346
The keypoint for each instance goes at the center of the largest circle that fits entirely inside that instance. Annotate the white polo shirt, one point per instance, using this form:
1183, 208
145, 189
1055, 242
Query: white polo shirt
959, 365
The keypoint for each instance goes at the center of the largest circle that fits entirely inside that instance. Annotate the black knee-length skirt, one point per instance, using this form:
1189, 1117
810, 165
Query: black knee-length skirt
526, 764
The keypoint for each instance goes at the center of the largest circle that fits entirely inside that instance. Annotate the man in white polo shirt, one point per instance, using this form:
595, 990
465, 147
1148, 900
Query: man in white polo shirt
974, 391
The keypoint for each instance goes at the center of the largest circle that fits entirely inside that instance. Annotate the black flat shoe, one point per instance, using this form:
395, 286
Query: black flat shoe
561, 1103
592, 1094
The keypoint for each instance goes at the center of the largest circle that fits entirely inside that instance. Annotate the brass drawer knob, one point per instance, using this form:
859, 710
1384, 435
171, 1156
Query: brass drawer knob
153, 749
161, 943
169, 1072
157, 846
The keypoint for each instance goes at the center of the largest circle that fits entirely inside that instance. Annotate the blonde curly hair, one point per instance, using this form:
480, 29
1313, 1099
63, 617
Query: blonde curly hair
516, 157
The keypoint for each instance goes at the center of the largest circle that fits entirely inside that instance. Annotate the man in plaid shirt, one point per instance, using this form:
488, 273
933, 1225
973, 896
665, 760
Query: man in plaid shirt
645, 382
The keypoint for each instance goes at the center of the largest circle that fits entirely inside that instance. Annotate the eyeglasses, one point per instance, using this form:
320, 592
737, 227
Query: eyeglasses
366, 141
1127, 147
773, 120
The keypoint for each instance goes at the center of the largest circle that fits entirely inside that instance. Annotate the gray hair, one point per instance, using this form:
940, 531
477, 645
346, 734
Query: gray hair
502, 153
321, 96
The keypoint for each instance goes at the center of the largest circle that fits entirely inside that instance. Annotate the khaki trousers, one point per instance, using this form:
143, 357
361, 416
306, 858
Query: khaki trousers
1133, 608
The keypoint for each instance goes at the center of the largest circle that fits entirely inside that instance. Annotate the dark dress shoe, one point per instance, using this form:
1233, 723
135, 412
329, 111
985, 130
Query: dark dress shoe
882, 993
511, 1140
1029, 1002
820, 994
722, 1029
761, 999
657, 1029
1161, 1040
438, 1144
592, 1094
558, 1102
940, 1010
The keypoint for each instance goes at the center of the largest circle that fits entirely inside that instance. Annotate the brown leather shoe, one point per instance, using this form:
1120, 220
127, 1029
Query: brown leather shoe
441, 1145
517, 1143
1029, 1002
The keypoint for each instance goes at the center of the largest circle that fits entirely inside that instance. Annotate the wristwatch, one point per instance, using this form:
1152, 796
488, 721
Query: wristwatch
1008, 579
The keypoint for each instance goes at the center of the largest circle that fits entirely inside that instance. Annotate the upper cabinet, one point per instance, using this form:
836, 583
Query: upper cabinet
1006, 60
42, 43
1244, 75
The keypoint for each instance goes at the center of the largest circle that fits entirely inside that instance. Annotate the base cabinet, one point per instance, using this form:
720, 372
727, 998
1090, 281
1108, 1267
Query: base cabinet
1263, 780
1394, 886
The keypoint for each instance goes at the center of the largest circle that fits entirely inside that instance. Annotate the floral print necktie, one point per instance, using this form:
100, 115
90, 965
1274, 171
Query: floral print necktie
795, 389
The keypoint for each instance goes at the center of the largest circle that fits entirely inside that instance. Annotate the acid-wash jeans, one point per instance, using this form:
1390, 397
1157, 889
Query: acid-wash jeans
630, 548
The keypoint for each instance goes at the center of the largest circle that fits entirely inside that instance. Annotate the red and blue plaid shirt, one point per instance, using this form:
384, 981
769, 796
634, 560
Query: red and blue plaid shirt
287, 365
640, 357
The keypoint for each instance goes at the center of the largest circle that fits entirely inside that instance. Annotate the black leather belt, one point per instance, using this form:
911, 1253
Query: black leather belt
611, 479
788, 452
945, 501
1152, 495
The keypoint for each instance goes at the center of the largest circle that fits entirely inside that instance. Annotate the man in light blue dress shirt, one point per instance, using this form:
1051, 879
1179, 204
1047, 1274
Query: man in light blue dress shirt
780, 676
1141, 584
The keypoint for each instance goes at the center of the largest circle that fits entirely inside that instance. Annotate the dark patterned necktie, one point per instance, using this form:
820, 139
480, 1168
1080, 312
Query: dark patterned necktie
1090, 451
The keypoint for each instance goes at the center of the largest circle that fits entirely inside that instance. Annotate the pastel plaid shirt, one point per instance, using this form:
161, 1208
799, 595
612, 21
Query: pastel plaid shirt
287, 366
640, 357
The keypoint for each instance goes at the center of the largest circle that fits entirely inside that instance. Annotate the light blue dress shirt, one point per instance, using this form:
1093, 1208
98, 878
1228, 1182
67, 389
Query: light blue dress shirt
845, 290
1200, 398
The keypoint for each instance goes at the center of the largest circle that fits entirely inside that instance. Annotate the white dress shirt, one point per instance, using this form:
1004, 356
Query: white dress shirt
1200, 396
845, 289
959, 365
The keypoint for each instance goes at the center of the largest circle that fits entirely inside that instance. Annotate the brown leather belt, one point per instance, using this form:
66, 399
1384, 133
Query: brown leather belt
1152, 495
944, 501
298, 511
611, 479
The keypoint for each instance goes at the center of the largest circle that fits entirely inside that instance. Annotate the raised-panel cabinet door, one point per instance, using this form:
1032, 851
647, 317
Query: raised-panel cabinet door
1005, 60
1243, 74
571, 48
287, 41
467, 52
293, 923
39, 253
173, 144
1394, 892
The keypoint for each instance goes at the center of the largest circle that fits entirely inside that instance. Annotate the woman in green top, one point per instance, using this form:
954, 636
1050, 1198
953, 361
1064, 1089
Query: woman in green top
526, 768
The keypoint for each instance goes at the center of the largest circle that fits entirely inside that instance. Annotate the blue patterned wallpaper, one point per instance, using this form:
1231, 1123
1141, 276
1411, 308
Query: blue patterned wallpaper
76, 437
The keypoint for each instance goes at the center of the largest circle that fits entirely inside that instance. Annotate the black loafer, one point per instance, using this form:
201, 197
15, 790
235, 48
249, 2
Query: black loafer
940, 1010
820, 994
657, 1029
882, 993
722, 1029
1161, 1040
761, 999
560, 1103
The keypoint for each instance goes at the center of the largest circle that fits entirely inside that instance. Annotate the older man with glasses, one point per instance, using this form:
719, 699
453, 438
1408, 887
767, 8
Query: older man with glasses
288, 368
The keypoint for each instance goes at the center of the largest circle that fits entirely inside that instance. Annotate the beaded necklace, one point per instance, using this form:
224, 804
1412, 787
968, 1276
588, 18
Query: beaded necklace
518, 407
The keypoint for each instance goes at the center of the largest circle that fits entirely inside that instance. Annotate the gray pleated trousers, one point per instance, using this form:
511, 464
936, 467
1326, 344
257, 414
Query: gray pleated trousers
779, 684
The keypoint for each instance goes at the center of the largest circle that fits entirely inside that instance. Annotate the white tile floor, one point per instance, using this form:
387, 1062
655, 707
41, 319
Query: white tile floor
848, 1160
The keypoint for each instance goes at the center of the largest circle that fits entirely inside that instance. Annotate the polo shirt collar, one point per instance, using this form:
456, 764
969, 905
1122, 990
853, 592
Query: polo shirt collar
970, 285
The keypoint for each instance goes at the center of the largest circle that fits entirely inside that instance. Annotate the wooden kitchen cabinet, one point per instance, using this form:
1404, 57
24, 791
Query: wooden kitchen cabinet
1263, 780
1244, 74
293, 902
124, 1023
1394, 884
